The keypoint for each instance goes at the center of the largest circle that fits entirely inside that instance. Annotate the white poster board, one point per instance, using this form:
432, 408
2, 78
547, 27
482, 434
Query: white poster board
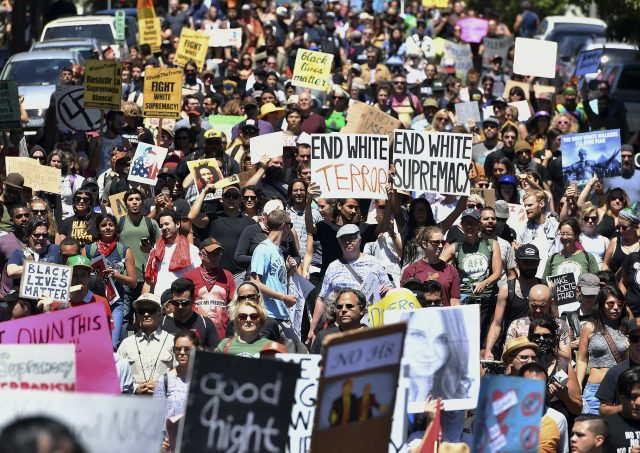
269, 144
40, 279
38, 367
535, 57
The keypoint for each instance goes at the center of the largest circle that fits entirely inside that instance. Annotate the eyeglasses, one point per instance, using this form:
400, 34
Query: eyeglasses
399, 82
180, 303
474, 206
40, 158
622, 227
249, 297
351, 238
82, 199
522, 358
615, 304
541, 336
250, 197
619, 198
39, 235
186, 350
349, 307
634, 338
243, 316
483, 185
190, 71
22, 216
150, 310
230, 196
590, 218
566, 235
564, 122
437, 243
489, 126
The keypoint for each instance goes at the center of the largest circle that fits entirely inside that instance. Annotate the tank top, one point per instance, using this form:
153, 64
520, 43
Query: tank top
474, 265
599, 353
104, 163
618, 257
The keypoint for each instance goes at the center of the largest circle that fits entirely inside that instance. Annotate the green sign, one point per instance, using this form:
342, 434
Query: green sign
9, 105
225, 123
120, 25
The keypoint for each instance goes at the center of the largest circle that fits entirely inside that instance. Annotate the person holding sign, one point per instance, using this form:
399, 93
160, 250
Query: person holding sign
570, 258
38, 248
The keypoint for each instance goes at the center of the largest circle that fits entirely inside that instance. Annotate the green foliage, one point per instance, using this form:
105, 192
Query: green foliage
509, 9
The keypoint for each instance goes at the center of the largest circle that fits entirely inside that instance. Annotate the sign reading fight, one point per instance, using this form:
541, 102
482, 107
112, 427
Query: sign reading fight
102, 84
38, 367
312, 70
162, 92
565, 287
350, 165
193, 45
9, 105
40, 279
432, 161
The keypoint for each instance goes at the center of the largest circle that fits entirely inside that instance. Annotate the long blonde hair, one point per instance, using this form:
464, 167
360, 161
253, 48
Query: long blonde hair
51, 220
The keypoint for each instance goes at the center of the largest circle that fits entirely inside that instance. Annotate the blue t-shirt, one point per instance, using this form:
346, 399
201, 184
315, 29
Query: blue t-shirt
50, 255
268, 263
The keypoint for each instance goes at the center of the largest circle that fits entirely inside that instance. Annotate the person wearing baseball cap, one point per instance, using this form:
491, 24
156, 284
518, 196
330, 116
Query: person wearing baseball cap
491, 142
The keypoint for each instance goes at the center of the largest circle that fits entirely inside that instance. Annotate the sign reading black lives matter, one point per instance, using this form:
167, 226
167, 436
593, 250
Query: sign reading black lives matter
565, 287
238, 404
432, 161
45, 280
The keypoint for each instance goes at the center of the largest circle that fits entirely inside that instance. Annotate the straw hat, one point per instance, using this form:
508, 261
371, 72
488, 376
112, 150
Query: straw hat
270, 108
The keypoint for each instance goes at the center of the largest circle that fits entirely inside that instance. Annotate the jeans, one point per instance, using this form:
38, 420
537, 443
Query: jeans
590, 404
119, 312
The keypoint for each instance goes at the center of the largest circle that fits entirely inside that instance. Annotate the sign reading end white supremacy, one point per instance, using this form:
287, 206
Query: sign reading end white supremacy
432, 162
350, 165
45, 280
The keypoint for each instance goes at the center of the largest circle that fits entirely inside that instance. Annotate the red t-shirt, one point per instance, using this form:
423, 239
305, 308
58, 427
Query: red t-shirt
211, 301
447, 276
94, 298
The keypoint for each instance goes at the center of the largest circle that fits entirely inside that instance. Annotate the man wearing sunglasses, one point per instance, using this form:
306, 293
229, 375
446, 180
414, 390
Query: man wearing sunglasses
38, 248
184, 318
16, 240
349, 309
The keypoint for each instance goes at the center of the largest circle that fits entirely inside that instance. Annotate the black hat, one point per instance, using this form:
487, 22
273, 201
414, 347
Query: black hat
527, 252
164, 171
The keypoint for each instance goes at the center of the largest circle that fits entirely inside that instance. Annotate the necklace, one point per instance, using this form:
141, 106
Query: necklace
144, 375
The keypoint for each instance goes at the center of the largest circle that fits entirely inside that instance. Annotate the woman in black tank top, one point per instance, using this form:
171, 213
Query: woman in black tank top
626, 243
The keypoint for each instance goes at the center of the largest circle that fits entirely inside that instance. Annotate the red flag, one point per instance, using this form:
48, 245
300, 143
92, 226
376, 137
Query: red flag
433, 435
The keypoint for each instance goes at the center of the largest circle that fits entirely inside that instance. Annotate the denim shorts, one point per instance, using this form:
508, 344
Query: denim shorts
590, 404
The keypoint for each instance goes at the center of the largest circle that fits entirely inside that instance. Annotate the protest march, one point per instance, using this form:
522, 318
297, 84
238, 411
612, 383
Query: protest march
292, 227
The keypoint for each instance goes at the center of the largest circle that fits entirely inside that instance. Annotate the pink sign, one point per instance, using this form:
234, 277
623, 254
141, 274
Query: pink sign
473, 29
86, 327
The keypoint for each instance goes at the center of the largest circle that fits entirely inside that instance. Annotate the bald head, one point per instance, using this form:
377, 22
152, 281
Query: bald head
539, 300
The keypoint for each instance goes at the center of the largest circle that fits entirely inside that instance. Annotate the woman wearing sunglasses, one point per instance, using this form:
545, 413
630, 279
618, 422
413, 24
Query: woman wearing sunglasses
40, 208
626, 243
611, 205
591, 240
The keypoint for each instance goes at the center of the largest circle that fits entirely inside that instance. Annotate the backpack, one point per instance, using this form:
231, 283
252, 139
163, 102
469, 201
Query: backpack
93, 250
150, 229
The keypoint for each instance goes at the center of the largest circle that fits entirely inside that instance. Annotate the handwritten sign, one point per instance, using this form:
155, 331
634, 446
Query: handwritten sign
118, 206
588, 61
9, 105
103, 84
50, 367
432, 162
495, 46
71, 114
224, 37
396, 299
38, 177
193, 46
473, 29
150, 32
146, 163
40, 279
350, 165
543, 65
467, 111
565, 287
269, 144
366, 119
312, 70
461, 54
87, 327
524, 111
162, 92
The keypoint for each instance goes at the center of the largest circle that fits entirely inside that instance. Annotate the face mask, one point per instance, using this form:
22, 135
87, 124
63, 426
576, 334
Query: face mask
546, 346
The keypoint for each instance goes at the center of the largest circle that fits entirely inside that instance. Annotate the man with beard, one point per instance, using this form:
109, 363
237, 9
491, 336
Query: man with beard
524, 163
9, 242
100, 147
491, 142
628, 163
488, 224
268, 178
206, 174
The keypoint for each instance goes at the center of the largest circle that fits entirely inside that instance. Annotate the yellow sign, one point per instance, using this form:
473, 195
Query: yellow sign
38, 177
162, 92
102, 84
193, 46
397, 299
150, 32
118, 206
435, 3
312, 70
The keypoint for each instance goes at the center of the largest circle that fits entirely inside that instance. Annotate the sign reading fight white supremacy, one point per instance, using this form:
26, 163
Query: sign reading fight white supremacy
432, 161
45, 280
350, 165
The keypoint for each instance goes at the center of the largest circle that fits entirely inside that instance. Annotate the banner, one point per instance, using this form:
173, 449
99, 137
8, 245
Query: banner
205, 171
350, 165
544, 63
225, 123
162, 92
588, 61
71, 114
87, 327
193, 46
473, 29
400, 299
224, 37
37, 177
367, 119
591, 153
508, 415
441, 341
565, 286
103, 84
269, 144
150, 32
147, 161
9, 105
431, 161
40, 280
495, 46
118, 206
237, 404
42, 367
312, 70
461, 54
102, 423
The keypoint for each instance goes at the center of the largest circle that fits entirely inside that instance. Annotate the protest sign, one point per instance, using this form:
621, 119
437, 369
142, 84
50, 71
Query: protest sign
38, 367
473, 29
102, 423
119, 24
588, 61
565, 284
591, 153
467, 111
456, 358
118, 206
99, 265
357, 391
193, 46
544, 63
237, 404
289, 141
461, 54
205, 171
539, 89
508, 414
225, 123
366, 119
102, 84
162, 92
431, 161
312, 70
396, 299
224, 37
304, 407
495, 46
147, 161
40, 280
524, 112
269, 144
512, 83
150, 32
488, 195
231, 180
85, 326
435, 3
9, 105
37, 177
350, 165
71, 114
517, 217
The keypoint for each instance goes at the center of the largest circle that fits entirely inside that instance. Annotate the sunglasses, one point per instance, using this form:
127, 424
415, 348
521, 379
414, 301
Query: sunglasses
250, 197
150, 310
615, 304
437, 243
39, 235
590, 218
243, 316
619, 198
541, 336
180, 303
399, 83
231, 196
349, 307
433, 303
82, 199
381, 206
182, 350
39, 211
249, 297
621, 228
483, 185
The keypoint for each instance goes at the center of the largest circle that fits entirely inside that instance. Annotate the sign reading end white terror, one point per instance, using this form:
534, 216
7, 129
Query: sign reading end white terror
45, 280
432, 162
350, 165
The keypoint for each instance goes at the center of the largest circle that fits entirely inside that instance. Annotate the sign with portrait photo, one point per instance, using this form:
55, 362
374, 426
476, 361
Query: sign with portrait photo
146, 164
205, 171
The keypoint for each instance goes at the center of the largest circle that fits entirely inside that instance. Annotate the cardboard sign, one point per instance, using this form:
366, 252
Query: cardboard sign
49, 367
565, 287
524, 112
103, 84
40, 280
461, 54
367, 119
205, 171
432, 162
350, 165
544, 63
512, 83
150, 32
71, 114
118, 206
147, 161
87, 327
467, 111
428, 357
508, 414
591, 153
225, 123
312, 70
224, 37
588, 61
473, 29
237, 404
102, 423
9, 105
304, 407
356, 398
162, 92
496, 46
37, 177
488, 195
269, 144
396, 299
193, 46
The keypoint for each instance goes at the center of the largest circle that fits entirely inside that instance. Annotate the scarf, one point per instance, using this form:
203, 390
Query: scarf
106, 248
180, 259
